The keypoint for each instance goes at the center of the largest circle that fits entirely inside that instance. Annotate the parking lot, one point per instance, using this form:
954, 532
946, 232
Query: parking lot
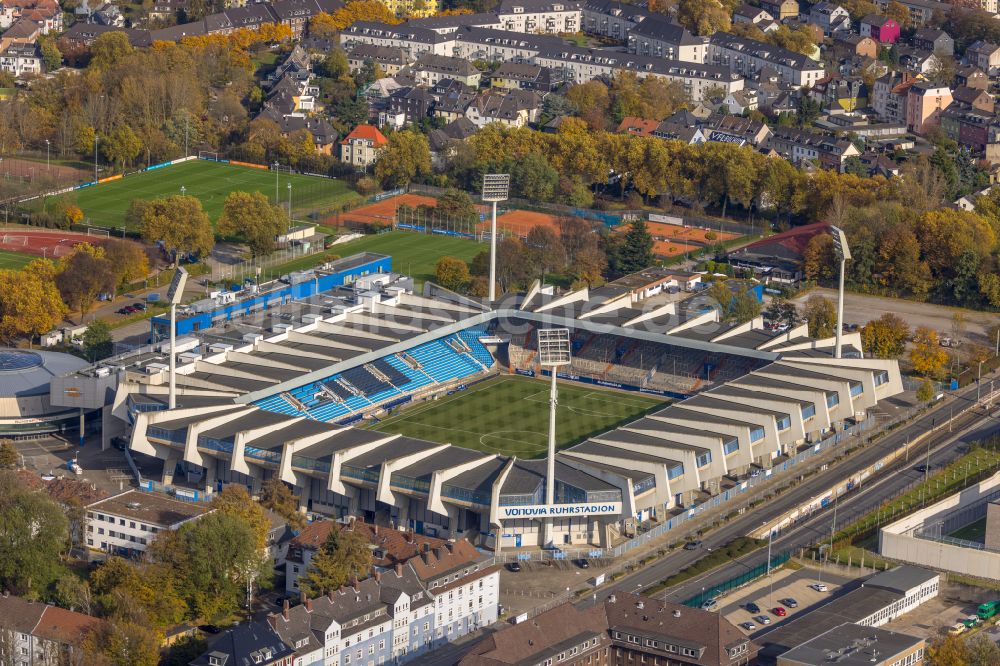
107, 470
770, 593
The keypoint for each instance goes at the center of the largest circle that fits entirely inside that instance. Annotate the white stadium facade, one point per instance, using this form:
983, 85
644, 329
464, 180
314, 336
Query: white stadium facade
278, 392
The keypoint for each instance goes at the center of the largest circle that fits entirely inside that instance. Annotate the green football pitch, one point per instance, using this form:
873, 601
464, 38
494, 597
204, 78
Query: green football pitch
510, 415
412, 253
14, 260
105, 204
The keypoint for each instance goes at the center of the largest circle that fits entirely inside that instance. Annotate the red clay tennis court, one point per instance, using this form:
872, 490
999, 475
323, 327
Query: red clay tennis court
520, 222
384, 212
43, 243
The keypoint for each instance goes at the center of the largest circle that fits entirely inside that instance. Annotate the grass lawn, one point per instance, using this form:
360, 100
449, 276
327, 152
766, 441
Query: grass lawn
412, 253
14, 260
510, 415
105, 204
972, 532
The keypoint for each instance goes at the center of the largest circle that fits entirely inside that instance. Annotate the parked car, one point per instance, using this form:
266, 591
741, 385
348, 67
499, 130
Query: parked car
748, 626
956, 629
582, 563
753, 608
819, 587
923, 469
692, 545
791, 603
779, 611
710, 605
139, 306
763, 619
514, 567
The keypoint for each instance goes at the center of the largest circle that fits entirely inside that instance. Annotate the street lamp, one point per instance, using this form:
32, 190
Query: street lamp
96, 139
496, 187
183, 190
46, 154
289, 201
275, 182
843, 253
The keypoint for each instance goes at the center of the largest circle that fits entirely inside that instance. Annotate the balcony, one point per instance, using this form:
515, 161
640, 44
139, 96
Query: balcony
262, 455
408, 483
310, 464
360, 474
465, 495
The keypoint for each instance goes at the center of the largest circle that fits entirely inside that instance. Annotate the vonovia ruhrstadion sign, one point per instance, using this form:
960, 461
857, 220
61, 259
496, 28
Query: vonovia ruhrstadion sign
560, 510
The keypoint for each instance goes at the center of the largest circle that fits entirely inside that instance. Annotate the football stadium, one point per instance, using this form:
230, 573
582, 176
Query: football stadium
430, 410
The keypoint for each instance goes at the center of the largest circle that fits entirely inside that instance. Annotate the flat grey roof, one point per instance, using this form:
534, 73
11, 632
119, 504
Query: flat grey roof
626, 436
708, 400
258, 418
448, 458
901, 579
680, 411
278, 436
737, 392
340, 440
401, 446
852, 645
596, 448
305, 362
479, 478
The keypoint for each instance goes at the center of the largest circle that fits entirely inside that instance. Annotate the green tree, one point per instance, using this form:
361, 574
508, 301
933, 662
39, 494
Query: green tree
83, 276
51, 56
885, 337
9, 457
925, 392
745, 306
121, 146
780, 311
703, 17
30, 302
110, 49
545, 250
451, 273
234, 500
97, 340
821, 315
926, 355
275, 495
177, 221
948, 651
253, 219
33, 536
335, 65
128, 260
633, 252
533, 178
345, 554
407, 156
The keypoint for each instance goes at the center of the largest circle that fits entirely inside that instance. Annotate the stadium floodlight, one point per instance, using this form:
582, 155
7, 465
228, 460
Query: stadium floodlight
174, 294
553, 352
496, 187
843, 252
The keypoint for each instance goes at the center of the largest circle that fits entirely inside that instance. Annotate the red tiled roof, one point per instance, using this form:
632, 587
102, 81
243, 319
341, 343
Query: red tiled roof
66, 627
369, 132
637, 126
793, 240
397, 545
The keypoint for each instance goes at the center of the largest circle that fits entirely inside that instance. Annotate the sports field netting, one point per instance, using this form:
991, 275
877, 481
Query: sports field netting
105, 204
510, 415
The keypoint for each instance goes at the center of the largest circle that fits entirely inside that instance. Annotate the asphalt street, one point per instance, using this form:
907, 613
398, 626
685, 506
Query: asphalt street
944, 446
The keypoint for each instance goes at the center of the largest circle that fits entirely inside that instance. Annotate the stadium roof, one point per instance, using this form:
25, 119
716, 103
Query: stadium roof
26, 373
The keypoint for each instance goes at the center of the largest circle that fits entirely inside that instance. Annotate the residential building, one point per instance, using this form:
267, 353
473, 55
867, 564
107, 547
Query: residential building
854, 645
21, 59
752, 15
924, 103
544, 16
734, 129
985, 56
969, 127
973, 98
660, 37
410, 104
841, 95
515, 108
921, 11
882, 29
389, 546
414, 8
778, 258
830, 17
748, 57
846, 44
934, 39
296, 13
625, 629
890, 95
637, 126
802, 146
126, 523
971, 77
46, 13
525, 76
323, 134
781, 9
362, 146
24, 32
916, 61
253, 643
431, 68
741, 101
37, 633
389, 59
611, 18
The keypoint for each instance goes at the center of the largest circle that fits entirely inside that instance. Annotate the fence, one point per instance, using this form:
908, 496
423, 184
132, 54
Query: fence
739, 581
262, 268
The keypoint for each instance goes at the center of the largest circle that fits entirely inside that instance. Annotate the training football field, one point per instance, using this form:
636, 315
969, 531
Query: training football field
510, 415
105, 204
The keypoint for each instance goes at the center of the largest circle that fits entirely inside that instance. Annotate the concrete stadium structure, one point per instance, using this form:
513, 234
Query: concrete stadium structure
276, 394
25, 406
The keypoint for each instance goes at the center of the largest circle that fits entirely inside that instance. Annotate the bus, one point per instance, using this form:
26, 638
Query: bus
988, 610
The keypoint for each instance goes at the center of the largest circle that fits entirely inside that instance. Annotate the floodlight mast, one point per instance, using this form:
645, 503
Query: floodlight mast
496, 187
843, 253
553, 352
174, 296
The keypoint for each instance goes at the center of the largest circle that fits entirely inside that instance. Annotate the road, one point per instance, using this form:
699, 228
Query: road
966, 426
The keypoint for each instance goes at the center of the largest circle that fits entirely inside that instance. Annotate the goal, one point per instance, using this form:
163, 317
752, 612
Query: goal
99, 231
208, 155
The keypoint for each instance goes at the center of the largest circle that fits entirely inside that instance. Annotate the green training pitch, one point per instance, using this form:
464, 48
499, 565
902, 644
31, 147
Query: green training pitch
412, 253
15, 260
105, 204
510, 415
972, 532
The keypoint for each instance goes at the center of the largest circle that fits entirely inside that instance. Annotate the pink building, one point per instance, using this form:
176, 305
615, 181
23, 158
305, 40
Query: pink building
882, 29
924, 104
